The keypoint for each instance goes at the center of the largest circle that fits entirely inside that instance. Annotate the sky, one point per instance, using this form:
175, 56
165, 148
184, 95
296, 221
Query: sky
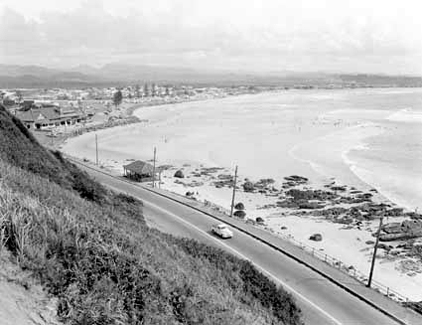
356, 36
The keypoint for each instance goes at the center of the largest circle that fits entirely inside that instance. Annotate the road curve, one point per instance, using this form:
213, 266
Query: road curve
321, 301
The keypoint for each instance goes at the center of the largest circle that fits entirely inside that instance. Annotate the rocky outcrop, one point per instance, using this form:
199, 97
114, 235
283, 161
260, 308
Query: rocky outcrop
405, 230
317, 195
294, 180
316, 237
248, 186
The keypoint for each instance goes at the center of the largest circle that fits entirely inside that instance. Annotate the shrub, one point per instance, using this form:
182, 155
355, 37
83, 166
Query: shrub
239, 206
179, 174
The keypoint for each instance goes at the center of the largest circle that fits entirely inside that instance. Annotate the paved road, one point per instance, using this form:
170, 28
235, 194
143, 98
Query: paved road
322, 301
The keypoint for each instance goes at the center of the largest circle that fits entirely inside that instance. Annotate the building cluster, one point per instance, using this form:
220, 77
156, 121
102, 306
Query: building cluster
41, 108
130, 93
39, 115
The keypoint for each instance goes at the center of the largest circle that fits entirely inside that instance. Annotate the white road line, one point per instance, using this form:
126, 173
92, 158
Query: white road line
289, 288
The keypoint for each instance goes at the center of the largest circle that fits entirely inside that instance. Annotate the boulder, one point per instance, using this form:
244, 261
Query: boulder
239, 206
316, 237
179, 174
240, 214
248, 187
259, 220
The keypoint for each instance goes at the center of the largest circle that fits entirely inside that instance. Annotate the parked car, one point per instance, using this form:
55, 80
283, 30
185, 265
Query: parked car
222, 230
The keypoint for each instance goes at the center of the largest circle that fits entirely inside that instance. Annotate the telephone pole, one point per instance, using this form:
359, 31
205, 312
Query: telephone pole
234, 192
96, 149
159, 178
153, 169
375, 253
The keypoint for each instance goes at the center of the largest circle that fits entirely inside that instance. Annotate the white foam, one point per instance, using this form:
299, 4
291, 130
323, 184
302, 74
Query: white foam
398, 186
407, 115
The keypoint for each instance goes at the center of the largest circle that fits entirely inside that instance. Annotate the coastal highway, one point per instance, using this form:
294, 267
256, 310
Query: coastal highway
321, 301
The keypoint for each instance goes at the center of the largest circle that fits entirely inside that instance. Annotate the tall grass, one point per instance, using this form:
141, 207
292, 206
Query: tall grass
107, 267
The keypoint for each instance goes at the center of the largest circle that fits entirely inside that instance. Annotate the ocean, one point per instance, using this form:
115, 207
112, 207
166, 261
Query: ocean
384, 149
367, 138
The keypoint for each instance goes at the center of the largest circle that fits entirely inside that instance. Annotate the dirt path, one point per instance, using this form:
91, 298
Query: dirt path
22, 300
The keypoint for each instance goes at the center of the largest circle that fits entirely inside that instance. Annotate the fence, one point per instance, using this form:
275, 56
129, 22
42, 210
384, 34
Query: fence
350, 270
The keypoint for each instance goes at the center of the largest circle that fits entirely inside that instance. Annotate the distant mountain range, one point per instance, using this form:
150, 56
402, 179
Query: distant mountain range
16, 76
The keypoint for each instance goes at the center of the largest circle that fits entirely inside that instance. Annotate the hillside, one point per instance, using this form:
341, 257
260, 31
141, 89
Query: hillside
92, 249
15, 76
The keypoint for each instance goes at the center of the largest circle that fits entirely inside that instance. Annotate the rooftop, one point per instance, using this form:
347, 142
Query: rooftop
140, 167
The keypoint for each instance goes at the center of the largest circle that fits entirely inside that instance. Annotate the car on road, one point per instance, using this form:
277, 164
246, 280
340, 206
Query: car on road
222, 230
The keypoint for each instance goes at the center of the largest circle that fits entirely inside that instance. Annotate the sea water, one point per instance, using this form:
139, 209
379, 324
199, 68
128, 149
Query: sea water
384, 149
392, 160
367, 138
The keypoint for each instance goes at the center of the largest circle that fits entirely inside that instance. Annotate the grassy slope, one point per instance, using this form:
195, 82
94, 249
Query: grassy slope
92, 249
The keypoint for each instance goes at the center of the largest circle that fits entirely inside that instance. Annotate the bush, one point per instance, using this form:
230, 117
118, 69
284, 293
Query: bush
179, 174
239, 206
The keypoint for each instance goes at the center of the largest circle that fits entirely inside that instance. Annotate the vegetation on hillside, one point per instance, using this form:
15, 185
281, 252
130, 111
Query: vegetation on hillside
91, 248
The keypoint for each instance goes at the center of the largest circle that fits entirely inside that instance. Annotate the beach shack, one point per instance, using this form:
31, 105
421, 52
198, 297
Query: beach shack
138, 170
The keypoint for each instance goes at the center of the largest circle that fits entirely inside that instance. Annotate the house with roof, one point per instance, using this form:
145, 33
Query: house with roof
139, 170
40, 116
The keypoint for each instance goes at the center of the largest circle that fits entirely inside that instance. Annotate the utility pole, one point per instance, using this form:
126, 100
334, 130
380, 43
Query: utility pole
234, 192
375, 253
153, 169
159, 178
96, 149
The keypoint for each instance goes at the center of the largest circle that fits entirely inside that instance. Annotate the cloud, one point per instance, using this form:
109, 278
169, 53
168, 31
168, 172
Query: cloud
259, 35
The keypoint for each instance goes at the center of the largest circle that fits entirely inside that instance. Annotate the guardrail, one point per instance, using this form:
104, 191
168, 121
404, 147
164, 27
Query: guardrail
349, 270
308, 249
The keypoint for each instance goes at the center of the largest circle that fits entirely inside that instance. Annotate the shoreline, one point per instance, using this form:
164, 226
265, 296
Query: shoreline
56, 142
354, 249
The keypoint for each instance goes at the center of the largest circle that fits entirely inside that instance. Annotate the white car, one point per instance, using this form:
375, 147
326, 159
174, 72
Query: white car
222, 230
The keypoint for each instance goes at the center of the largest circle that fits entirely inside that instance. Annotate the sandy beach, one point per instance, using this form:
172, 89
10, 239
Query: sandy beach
321, 135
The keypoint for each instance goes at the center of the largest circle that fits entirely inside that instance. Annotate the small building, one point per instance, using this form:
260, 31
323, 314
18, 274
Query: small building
138, 170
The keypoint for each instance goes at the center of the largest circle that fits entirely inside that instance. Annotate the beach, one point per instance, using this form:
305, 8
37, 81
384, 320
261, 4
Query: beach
362, 140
